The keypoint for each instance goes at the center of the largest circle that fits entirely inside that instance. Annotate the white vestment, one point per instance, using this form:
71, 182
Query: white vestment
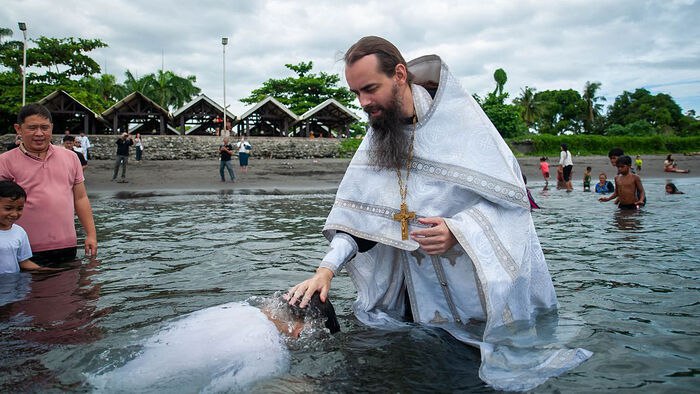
224, 348
488, 289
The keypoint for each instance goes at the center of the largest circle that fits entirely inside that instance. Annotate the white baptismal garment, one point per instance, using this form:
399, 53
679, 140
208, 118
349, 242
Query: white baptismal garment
224, 348
489, 288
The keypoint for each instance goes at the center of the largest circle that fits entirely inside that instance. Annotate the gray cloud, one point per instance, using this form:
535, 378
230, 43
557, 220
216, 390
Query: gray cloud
624, 44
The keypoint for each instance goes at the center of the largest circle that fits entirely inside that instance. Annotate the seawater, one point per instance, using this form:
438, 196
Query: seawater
630, 277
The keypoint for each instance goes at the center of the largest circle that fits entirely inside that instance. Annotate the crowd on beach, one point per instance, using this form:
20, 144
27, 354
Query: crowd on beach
627, 189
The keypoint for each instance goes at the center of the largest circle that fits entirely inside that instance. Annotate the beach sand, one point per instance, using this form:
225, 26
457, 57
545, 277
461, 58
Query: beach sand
273, 176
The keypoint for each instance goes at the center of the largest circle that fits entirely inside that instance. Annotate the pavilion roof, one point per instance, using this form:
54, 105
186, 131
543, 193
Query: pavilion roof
57, 94
274, 106
198, 104
138, 103
331, 109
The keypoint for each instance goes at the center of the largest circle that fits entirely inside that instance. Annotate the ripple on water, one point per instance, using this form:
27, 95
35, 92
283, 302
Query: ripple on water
631, 278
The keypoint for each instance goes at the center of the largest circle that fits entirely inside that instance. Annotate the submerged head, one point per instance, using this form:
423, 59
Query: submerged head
672, 189
292, 321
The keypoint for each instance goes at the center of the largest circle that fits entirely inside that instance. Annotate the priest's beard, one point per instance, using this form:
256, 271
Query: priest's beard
390, 142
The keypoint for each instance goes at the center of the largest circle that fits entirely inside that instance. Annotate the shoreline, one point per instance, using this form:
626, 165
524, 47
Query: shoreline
287, 176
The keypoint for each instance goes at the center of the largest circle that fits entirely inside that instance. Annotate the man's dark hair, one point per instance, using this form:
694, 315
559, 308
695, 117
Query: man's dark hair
387, 54
624, 161
616, 152
11, 190
318, 309
33, 109
68, 138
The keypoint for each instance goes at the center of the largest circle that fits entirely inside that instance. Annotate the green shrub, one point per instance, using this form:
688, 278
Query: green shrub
549, 145
348, 146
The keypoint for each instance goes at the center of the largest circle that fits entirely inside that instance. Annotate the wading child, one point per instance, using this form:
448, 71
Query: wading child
14, 243
587, 179
638, 163
561, 184
544, 167
628, 187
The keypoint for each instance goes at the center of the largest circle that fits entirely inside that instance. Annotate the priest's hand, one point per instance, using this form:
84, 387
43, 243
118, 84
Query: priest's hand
435, 240
321, 282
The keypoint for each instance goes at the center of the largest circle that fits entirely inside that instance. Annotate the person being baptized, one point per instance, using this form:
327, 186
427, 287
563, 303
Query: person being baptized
226, 347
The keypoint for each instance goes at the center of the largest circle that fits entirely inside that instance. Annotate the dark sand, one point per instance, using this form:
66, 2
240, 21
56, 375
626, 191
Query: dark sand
272, 176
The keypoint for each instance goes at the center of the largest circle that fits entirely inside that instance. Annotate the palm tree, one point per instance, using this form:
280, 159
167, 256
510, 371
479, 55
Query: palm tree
592, 108
132, 84
166, 88
529, 106
172, 90
501, 77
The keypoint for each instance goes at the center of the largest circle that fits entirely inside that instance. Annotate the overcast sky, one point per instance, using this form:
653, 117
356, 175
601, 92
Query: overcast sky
545, 44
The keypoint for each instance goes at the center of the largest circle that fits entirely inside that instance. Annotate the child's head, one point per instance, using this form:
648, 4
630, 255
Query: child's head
543, 158
589, 168
623, 164
12, 198
671, 188
614, 154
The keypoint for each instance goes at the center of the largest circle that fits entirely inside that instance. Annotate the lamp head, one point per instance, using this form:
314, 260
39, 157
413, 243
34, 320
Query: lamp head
224, 40
22, 26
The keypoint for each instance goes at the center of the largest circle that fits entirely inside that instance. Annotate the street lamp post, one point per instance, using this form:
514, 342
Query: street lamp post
224, 41
23, 27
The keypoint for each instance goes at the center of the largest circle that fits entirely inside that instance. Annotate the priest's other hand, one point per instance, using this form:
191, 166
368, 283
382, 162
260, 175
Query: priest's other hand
437, 239
321, 282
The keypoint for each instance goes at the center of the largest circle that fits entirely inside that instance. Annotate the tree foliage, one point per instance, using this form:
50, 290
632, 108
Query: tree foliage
561, 112
505, 117
660, 111
593, 108
303, 92
530, 108
166, 88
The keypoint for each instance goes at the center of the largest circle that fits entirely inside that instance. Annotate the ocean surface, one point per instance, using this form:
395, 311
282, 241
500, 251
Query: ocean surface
630, 277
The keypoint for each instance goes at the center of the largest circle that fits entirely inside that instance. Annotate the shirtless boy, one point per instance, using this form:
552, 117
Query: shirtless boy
628, 187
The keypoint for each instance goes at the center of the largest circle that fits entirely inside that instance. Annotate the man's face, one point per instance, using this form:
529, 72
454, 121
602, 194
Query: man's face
68, 144
613, 161
375, 90
35, 132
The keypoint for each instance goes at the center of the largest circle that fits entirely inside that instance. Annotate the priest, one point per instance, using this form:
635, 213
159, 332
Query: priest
432, 221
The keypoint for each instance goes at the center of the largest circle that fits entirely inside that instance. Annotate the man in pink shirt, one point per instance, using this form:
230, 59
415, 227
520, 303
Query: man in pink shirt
53, 179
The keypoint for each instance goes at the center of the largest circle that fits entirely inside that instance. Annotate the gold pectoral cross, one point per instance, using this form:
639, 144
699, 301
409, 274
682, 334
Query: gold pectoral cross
404, 216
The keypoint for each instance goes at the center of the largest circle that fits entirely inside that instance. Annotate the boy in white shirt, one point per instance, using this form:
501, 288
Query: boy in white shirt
14, 243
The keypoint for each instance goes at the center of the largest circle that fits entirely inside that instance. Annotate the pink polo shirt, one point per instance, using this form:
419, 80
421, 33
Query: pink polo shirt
49, 213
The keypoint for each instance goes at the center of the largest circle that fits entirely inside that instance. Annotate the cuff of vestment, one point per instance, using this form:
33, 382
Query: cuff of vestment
342, 248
